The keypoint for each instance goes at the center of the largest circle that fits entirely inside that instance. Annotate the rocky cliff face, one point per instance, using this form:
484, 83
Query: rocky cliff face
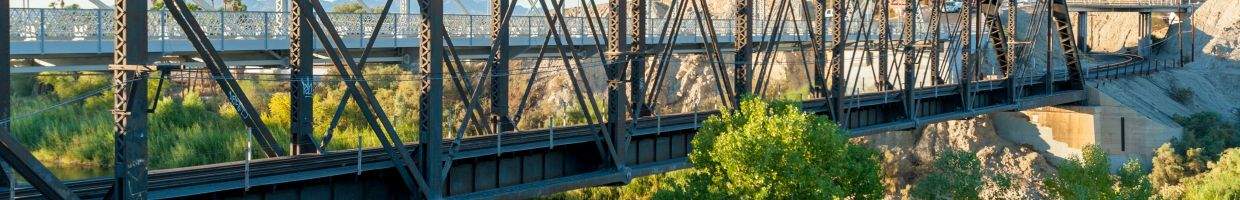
909, 155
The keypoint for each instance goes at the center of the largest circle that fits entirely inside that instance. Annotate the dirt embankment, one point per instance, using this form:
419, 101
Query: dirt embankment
1208, 80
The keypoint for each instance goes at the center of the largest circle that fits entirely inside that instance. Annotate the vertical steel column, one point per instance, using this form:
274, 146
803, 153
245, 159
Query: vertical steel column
884, 44
617, 44
970, 58
819, 86
744, 50
839, 38
1048, 78
12, 151
129, 109
910, 58
430, 61
500, 68
936, 42
637, 57
1010, 74
1082, 31
301, 60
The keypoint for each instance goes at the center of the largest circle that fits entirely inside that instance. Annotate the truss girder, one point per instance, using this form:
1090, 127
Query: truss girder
744, 48
839, 40
224, 78
1063, 29
301, 87
909, 31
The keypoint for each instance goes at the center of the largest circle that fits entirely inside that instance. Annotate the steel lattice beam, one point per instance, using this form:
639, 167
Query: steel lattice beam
360, 90
819, 86
637, 62
430, 110
301, 88
884, 44
969, 57
744, 49
839, 41
499, 66
129, 109
999, 41
936, 43
910, 59
1063, 27
617, 53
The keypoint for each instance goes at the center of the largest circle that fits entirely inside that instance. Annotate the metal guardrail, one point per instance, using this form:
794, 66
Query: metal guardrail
1139, 68
56, 31
1127, 2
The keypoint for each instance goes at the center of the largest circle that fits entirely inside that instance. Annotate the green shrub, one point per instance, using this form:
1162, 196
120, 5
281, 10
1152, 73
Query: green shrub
1208, 131
775, 151
1167, 172
1087, 177
1180, 94
957, 175
1221, 182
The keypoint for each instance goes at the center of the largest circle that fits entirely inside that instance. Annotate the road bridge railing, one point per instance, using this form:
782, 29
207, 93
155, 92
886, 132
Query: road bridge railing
1128, 5
43, 31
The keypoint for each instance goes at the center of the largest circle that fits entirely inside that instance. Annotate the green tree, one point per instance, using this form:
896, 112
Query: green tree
957, 175
769, 150
1221, 182
350, 7
1167, 172
1208, 131
1132, 183
234, 5
159, 5
1087, 177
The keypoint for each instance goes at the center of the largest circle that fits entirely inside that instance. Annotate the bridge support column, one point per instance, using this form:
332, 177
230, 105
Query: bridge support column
500, 68
969, 58
617, 55
1143, 44
936, 42
637, 59
819, 85
838, 41
910, 59
129, 112
884, 44
1082, 31
744, 50
301, 88
12, 151
430, 129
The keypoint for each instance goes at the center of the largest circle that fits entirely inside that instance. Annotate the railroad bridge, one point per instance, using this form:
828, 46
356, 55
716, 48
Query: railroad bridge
925, 66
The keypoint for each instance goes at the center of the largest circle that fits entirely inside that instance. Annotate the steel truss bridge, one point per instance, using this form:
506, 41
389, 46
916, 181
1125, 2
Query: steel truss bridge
927, 68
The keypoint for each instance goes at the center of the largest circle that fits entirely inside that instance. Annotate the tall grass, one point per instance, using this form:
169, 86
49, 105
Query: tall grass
192, 126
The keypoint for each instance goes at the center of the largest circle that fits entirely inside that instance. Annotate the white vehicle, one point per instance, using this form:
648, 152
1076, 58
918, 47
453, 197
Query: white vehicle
952, 6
